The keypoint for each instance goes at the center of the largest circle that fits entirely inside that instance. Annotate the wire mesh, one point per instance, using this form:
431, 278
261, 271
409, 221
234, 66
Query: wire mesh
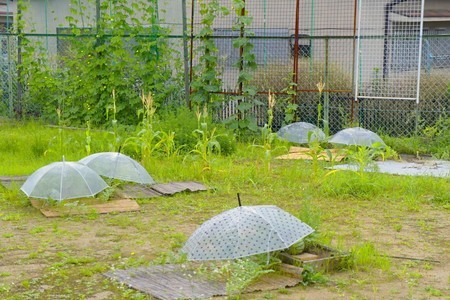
389, 52
385, 72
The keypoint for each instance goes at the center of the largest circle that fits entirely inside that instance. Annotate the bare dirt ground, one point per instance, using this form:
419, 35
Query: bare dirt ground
40, 255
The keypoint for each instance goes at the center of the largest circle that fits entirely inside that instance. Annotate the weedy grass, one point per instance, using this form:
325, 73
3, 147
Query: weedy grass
365, 214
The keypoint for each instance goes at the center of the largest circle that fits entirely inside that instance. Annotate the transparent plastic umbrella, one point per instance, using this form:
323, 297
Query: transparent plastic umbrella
298, 133
245, 231
356, 136
63, 180
119, 166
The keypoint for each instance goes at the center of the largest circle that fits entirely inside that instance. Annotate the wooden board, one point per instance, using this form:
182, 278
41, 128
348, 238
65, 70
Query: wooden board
134, 191
178, 187
84, 206
174, 282
137, 191
302, 153
10, 181
320, 257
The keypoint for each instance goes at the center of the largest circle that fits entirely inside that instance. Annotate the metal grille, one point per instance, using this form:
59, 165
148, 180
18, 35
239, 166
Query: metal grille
389, 49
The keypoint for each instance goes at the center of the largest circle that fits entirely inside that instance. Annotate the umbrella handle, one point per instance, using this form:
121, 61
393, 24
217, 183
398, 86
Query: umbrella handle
239, 199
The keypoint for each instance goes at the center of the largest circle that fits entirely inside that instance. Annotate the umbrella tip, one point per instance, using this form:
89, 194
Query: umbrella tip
239, 199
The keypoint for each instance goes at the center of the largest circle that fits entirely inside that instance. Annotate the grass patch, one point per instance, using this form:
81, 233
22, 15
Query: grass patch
368, 214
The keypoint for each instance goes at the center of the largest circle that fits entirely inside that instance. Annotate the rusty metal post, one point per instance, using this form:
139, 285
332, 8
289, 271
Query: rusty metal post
241, 51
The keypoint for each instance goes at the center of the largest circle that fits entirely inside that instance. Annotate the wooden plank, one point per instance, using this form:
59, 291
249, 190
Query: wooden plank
273, 281
12, 181
303, 153
292, 270
171, 282
82, 207
192, 186
178, 187
321, 258
135, 191
168, 282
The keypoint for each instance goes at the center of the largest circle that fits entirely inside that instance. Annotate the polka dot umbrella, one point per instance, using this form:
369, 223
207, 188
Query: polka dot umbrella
245, 231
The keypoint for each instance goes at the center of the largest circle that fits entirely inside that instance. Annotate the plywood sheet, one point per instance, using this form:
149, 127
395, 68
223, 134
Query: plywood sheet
303, 153
137, 191
134, 191
178, 187
84, 206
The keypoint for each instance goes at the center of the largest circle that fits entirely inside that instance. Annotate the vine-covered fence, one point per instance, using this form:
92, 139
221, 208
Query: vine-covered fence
64, 62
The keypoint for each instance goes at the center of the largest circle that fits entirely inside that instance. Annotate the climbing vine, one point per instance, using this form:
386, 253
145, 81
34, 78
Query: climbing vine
103, 49
247, 64
206, 80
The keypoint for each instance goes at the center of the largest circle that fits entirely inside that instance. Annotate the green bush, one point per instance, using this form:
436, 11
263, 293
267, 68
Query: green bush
121, 55
183, 122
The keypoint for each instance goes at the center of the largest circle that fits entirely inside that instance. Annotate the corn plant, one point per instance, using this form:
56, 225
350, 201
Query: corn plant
268, 137
147, 139
207, 143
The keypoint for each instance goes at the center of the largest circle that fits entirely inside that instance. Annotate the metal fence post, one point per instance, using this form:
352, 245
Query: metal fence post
185, 53
19, 59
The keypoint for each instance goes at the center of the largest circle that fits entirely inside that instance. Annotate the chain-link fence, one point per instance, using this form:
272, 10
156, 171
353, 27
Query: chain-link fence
373, 72
297, 47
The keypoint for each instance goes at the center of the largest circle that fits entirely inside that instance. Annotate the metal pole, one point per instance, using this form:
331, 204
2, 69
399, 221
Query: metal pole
326, 100
355, 9
419, 62
97, 15
241, 51
10, 66
191, 58
357, 65
19, 59
185, 53
46, 24
295, 71
97, 22
357, 53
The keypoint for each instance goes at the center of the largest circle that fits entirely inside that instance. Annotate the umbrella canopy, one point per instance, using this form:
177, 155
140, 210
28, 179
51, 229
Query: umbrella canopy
63, 180
117, 165
298, 133
356, 136
245, 231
